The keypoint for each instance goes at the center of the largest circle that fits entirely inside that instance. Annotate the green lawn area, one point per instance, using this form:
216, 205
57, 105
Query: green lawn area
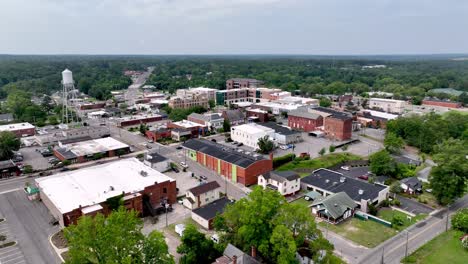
306, 166
455, 111
388, 213
445, 248
366, 233
302, 201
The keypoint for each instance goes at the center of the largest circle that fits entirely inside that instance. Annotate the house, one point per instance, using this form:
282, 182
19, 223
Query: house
235, 117
249, 134
157, 162
19, 129
205, 215
72, 194
81, 151
210, 120
327, 182
233, 164
202, 195
8, 168
283, 135
233, 255
411, 185
334, 208
312, 196
285, 182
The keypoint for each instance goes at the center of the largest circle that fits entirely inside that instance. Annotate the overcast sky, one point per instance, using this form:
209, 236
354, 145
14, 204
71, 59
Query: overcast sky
233, 26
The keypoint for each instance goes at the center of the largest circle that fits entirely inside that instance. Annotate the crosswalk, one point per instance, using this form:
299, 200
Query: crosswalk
10, 254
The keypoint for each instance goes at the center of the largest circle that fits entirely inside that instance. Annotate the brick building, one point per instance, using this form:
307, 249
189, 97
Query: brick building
442, 103
136, 120
257, 115
70, 195
82, 151
20, 129
235, 166
91, 106
195, 129
8, 169
303, 120
243, 83
188, 101
158, 133
338, 127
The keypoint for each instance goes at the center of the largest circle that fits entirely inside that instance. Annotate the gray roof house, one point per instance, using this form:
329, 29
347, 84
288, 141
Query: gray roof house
233, 255
335, 207
411, 185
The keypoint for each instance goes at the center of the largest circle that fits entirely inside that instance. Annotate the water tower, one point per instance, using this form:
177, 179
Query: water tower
68, 92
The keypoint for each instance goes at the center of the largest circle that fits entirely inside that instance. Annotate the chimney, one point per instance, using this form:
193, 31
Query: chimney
234, 259
271, 155
253, 252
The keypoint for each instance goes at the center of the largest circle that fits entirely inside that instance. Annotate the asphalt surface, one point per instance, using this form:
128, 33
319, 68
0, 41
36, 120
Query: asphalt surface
133, 90
413, 206
11, 254
393, 250
29, 224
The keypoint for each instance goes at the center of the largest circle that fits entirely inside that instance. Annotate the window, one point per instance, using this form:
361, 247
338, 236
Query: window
164, 190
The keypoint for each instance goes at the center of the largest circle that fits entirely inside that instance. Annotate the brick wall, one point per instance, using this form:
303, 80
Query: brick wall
304, 124
442, 104
338, 128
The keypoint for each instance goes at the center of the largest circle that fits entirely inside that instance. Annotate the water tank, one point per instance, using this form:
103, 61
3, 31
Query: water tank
67, 77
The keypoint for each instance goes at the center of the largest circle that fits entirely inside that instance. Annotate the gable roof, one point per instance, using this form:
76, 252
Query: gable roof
301, 112
210, 210
281, 176
242, 257
336, 204
233, 115
336, 182
222, 152
412, 182
200, 189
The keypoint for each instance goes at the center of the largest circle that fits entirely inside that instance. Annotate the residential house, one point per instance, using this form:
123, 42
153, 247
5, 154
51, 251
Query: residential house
5, 118
210, 120
235, 117
233, 255
205, 215
285, 182
334, 208
411, 185
202, 195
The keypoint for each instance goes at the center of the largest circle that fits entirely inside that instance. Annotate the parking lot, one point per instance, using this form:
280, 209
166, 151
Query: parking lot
11, 254
34, 158
184, 180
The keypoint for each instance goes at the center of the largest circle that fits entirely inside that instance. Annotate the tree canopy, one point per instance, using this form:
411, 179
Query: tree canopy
265, 145
196, 248
8, 143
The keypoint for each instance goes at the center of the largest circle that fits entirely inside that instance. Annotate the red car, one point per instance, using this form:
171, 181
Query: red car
364, 177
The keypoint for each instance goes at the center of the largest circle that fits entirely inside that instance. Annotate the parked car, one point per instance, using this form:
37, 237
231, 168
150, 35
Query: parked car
234, 143
179, 147
175, 169
203, 177
364, 177
284, 147
214, 140
346, 168
240, 144
215, 238
179, 229
183, 164
53, 160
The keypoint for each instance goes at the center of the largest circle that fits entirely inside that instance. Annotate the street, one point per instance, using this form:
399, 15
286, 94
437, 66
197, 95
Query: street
133, 91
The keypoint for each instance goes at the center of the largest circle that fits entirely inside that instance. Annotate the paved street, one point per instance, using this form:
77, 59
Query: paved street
344, 248
29, 224
393, 249
133, 91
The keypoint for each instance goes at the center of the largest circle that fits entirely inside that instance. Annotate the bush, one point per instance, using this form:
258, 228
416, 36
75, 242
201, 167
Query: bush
385, 203
397, 220
460, 220
66, 162
332, 148
28, 169
396, 202
372, 209
395, 188
344, 148
277, 162
140, 156
422, 200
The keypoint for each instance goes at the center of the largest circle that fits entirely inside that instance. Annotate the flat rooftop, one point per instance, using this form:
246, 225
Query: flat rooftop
137, 117
91, 147
252, 128
93, 185
186, 124
17, 126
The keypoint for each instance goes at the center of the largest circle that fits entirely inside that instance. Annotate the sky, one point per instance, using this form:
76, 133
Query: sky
317, 27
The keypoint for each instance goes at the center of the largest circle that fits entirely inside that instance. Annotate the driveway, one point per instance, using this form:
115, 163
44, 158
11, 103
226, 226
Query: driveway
413, 206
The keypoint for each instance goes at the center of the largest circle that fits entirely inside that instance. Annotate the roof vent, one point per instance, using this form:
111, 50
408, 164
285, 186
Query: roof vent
336, 205
111, 188
143, 173
342, 179
361, 192
327, 181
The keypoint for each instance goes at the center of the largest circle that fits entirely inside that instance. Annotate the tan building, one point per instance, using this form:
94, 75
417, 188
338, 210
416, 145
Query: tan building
188, 101
202, 195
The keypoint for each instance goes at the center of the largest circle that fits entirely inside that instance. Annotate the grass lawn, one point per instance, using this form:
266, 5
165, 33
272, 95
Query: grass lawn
429, 199
445, 248
302, 201
304, 167
367, 233
388, 213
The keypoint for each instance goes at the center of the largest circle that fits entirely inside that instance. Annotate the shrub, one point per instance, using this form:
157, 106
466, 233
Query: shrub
397, 220
460, 220
395, 188
385, 203
140, 156
277, 162
344, 148
372, 209
332, 148
28, 169
396, 202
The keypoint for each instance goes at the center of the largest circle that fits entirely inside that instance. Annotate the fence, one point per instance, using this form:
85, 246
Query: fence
364, 216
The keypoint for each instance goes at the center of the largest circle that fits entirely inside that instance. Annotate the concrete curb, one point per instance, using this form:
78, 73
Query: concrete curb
57, 250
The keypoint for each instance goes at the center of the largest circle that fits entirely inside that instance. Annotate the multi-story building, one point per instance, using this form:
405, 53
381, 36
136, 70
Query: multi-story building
304, 120
83, 151
336, 124
70, 195
387, 105
249, 134
235, 117
210, 120
257, 115
283, 135
232, 164
285, 182
19, 129
188, 101
202, 195
186, 128
240, 95
236, 83
91, 106
209, 93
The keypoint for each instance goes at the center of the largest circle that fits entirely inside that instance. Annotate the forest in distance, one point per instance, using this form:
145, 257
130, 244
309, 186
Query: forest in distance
408, 77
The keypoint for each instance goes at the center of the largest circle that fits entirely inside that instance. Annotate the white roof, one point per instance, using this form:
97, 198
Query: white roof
280, 106
253, 128
93, 185
91, 147
17, 126
256, 110
186, 124
382, 114
386, 100
137, 117
203, 89
101, 112
242, 104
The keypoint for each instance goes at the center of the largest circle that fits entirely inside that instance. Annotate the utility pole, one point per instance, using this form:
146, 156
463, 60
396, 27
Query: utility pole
447, 219
406, 248
383, 251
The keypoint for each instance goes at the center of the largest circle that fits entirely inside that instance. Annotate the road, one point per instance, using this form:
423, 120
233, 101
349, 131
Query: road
393, 250
133, 91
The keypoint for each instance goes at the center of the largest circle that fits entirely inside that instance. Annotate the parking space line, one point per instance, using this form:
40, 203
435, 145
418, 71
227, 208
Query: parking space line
7, 261
9, 255
8, 249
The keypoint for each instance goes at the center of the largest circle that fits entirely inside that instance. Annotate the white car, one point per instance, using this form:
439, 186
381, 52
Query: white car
215, 238
183, 164
284, 147
179, 229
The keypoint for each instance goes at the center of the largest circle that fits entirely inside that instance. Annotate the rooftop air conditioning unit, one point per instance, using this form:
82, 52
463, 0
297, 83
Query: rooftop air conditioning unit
342, 179
143, 173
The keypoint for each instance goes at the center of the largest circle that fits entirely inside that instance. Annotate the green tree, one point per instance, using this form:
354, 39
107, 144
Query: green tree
332, 148
460, 220
449, 178
381, 163
322, 151
8, 143
212, 104
283, 246
196, 248
17, 101
393, 143
53, 120
325, 102
226, 126
115, 239
143, 128
265, 145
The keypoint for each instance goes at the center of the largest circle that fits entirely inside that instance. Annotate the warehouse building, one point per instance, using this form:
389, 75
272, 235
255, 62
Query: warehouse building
19, 129
82, 151
88, 191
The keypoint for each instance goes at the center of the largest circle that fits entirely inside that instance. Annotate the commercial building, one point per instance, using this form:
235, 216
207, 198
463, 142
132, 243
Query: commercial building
8, 169
241, 95
193, 129
136, 120
92, 106
70, 195
202, 195
235, 117
249, 134
441, 103
283, 135
206, 214
233, 164
277, 108
257, 115
236, 83
83, 151
54, 136
298, 100
304, 120
210, 120
375, 119
327, 182
336, 124
19, 129
6, 118
157, 162
387, 105
285, 182
158, 133
189, 100
209, 93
